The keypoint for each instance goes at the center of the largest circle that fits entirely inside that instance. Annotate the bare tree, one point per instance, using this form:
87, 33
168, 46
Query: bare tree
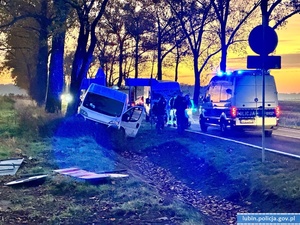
231, 16
279, 11
14, 14
138, 21
89, 14
166, 31
194, 17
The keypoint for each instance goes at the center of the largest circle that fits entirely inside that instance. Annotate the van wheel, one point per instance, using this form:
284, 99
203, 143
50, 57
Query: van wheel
223, 126
203, 126
268, 133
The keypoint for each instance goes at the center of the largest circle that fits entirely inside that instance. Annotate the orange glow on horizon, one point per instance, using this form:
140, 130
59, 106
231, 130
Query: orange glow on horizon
288, 77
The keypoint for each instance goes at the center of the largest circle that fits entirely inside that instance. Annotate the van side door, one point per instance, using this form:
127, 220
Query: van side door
131, 120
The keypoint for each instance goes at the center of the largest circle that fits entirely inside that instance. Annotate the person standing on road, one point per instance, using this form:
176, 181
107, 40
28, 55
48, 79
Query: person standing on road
160, 111
180, 105
172, 113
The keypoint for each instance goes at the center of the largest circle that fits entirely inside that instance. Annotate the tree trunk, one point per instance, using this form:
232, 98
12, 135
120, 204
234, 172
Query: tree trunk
197, 81
177, 63
56, 71
224, 51
76, 67
56, 74
136, 65
120, 80
38, 85
159, 59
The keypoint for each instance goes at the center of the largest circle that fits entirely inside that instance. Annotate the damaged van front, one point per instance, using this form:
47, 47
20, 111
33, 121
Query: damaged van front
110, 107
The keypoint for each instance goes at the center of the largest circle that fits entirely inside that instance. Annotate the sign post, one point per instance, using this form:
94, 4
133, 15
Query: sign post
264, 10
263, 40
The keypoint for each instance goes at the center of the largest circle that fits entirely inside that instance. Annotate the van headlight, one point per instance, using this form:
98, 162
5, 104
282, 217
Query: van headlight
83, 112
114, 123
67, 97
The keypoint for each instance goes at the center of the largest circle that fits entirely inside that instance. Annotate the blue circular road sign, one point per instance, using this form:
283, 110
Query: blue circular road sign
256, 40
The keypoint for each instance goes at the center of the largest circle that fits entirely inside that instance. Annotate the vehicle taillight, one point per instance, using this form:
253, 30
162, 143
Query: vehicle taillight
233, 111
277, 111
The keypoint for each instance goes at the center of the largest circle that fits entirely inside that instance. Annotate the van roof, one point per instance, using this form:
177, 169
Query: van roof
229, 76
108, 92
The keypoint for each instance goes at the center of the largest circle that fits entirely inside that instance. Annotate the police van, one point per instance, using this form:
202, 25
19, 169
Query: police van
235, 101
108, 106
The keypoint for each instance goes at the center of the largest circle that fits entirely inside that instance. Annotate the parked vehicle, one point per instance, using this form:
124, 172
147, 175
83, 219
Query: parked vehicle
235, 101
110, 107
152, 90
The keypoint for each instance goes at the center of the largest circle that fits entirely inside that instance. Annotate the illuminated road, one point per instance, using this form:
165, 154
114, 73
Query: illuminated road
284, 140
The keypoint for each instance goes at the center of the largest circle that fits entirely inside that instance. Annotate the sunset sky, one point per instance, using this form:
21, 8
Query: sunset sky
288, 77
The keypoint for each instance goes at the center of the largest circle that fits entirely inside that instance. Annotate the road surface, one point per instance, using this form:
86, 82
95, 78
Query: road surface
284, 140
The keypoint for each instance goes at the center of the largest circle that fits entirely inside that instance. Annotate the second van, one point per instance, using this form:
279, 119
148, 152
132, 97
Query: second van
235, 101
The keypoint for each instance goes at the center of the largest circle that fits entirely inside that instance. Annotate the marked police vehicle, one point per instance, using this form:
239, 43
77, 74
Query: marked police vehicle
235, 101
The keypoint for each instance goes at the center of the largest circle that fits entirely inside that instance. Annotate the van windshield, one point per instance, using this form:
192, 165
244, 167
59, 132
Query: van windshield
102, 104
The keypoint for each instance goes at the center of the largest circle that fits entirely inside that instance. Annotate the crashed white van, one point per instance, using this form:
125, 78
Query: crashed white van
110, 107
235, 101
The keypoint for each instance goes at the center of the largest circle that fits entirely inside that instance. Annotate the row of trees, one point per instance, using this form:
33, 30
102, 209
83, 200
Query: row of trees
47, 40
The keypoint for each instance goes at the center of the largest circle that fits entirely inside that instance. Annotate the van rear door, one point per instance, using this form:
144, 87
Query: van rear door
248, 95
248, 91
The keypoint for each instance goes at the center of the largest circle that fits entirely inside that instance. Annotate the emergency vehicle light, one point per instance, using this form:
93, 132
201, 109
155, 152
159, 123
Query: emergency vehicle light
277, 111
227, 73
233, 111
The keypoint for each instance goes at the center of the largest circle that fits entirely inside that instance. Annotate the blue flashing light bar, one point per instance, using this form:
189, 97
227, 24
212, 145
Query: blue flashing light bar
227, 73
220, 73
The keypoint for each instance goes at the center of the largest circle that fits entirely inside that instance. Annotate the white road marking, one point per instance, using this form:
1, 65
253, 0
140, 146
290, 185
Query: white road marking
247, 144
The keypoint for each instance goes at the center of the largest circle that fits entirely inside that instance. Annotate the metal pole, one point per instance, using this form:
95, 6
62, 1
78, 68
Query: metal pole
264, 10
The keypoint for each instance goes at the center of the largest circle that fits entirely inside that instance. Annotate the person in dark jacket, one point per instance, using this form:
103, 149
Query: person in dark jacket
159, 110
180, 105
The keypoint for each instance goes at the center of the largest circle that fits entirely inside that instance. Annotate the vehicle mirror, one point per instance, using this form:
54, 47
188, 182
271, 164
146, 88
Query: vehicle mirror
207, 98
229, 91
125, 117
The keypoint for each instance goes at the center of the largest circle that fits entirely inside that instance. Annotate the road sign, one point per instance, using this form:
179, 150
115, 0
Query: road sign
256, 40
256, 62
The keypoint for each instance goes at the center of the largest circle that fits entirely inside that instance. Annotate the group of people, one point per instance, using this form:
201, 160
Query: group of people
174, 111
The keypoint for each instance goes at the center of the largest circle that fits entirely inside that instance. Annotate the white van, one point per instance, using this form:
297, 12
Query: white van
235, 101
110, 107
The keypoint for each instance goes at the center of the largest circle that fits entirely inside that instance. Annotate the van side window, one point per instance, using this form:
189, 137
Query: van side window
226, 93
134, 114
220, 92
214, 92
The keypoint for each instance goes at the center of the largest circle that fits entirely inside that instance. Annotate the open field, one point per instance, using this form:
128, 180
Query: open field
290, 114
172, 179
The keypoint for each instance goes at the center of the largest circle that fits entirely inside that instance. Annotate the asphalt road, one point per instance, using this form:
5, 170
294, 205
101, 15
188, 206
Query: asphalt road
283, 141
